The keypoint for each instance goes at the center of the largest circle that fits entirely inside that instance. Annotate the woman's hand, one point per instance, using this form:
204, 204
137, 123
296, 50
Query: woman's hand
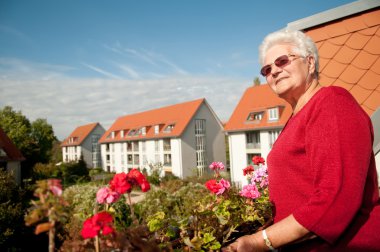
247, 243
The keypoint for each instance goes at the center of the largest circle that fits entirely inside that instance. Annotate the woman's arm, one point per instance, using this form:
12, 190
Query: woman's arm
284, 232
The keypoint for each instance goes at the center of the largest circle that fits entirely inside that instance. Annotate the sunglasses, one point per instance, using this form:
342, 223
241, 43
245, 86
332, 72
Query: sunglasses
279, 62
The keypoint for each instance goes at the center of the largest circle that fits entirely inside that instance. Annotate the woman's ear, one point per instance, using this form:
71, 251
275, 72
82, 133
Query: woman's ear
311, 63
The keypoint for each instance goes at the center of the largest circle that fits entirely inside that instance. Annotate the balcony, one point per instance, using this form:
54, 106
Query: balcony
253, 146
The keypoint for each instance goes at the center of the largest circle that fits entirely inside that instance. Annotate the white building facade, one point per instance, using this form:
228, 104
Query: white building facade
253, 128
84, 142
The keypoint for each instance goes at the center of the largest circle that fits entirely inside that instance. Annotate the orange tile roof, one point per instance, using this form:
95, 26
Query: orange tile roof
178, 115
258, 99
13, 154
79, 135
349, 50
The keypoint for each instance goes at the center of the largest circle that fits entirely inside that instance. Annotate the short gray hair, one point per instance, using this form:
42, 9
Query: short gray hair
303, 45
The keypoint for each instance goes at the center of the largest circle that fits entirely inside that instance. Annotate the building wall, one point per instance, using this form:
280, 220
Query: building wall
239, 153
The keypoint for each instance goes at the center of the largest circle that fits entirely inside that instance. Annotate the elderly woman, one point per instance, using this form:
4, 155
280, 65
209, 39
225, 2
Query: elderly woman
322, 173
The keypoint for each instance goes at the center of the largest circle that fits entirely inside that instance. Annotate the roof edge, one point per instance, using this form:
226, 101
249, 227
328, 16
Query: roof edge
333, 14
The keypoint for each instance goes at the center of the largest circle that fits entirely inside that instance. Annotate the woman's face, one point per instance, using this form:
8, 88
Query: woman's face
288, 81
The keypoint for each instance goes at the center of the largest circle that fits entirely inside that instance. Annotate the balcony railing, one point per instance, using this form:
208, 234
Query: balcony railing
253, 145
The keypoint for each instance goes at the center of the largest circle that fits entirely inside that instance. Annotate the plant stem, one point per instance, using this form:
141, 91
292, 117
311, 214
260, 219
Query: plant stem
97, 247
51, 237
131, 207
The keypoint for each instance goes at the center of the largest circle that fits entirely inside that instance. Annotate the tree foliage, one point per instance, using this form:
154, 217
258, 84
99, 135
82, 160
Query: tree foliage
34, 140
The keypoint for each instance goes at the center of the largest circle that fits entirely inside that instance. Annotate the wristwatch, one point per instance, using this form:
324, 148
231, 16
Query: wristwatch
267, 241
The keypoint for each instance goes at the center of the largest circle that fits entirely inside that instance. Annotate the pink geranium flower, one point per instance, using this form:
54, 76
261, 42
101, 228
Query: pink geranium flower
250, 191
99, 223
224, 185
217, 166
106, 195
55, 186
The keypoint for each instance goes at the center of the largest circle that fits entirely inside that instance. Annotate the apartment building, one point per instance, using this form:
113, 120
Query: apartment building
181, 139
253, 128
83, 142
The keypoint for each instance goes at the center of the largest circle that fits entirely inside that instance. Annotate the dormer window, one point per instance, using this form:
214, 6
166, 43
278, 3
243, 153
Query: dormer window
255, 116
143, 131
132, 132
273, 114
113, 134
169, 128
122, 133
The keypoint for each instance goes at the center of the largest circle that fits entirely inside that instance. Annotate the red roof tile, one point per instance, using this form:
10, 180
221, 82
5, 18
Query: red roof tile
350, 55
178, 115
258, 99
12, 153
79, 135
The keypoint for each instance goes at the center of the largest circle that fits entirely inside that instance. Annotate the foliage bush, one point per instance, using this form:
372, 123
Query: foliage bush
13, 202
74, 172
45, 171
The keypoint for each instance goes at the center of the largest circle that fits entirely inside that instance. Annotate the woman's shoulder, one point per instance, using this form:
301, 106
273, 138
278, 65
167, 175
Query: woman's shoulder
335, 91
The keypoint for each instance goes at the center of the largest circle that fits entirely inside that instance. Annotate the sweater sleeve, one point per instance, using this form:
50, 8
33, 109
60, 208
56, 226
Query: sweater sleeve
338, 146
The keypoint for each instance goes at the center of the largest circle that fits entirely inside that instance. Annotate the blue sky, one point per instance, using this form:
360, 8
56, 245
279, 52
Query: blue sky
77, 62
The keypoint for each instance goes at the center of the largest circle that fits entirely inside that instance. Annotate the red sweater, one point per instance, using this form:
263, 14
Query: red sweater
322, 170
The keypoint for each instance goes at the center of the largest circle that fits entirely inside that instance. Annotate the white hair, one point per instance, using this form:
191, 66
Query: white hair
302, 45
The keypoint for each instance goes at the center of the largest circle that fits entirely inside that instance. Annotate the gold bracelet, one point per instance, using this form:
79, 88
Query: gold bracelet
267, 241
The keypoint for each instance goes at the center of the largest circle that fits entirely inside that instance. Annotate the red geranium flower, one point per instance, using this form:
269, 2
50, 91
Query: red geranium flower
258, 160
213, 185
101, 222
120, 184
135, 177
248, 170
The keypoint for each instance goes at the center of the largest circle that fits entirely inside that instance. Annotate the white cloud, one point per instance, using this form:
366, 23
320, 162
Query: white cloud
101, 71
69, 102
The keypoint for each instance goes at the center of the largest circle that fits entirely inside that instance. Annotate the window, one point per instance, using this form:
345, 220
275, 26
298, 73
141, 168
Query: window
273, 135
167, 159
129, 159
143, 146
122, 133
143, 131
135, 145
167, 146
169, 128
129, 146
156, 145
253, 140
273, 114
255, 116
132, 132
136, 159
200, 145
250, 156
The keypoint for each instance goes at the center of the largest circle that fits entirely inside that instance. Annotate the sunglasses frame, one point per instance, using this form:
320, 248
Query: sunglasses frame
279, 62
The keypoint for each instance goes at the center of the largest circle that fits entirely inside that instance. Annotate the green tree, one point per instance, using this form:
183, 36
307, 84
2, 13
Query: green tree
256, 81
42, 133
34, 140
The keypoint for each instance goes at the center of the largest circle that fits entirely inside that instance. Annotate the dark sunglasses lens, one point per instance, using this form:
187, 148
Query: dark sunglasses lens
265, 71
281, 61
